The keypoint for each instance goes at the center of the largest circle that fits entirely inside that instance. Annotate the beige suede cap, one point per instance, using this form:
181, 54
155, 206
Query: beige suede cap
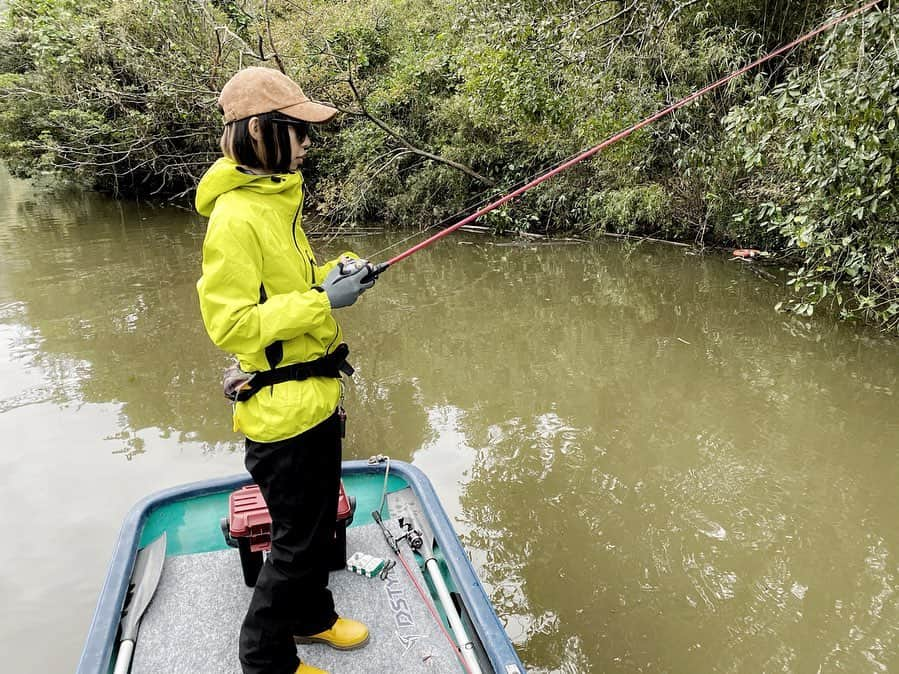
255, 90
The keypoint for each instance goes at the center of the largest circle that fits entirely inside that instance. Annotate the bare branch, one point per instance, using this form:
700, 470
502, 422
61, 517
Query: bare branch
271, 40
611, 18
381, 124
677, 10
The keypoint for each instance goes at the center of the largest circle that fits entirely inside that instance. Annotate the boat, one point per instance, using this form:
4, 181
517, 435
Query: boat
177, 590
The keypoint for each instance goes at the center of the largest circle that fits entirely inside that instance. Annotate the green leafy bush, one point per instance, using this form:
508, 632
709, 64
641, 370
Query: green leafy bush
813, 167
118, 95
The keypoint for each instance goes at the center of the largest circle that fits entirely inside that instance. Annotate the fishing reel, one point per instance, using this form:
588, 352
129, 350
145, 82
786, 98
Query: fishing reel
410, 534
351, 265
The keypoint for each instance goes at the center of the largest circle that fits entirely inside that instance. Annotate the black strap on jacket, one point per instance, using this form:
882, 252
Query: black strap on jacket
330, 365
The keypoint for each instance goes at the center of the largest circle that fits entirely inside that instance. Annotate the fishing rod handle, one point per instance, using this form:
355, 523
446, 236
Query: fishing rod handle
376, 516
376, 271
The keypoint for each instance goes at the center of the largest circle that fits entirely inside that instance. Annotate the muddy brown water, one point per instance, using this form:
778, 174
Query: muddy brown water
652, 470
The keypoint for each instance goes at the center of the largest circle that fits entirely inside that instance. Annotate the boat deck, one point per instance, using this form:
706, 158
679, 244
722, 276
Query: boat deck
193, 622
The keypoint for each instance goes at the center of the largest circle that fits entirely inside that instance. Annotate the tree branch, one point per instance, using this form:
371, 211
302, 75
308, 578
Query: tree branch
271, 40
611, 18
381, 124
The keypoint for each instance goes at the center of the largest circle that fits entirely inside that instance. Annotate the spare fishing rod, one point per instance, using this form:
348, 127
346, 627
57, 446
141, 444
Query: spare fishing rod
422, 546
378, 269
463, 645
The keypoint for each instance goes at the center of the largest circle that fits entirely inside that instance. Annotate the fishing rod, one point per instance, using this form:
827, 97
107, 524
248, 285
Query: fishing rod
378, 269
463, 646
418, 542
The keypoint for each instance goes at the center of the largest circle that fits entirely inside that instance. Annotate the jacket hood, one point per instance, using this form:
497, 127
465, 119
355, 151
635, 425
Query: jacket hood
226, 175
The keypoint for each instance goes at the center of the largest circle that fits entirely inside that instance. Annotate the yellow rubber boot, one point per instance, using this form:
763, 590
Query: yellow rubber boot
344, 635
309, 669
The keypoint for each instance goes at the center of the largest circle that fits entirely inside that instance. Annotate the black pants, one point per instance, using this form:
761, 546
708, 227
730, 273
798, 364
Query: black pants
299, 479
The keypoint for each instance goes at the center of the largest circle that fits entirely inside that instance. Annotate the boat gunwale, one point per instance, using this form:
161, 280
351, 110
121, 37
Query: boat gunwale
99, 644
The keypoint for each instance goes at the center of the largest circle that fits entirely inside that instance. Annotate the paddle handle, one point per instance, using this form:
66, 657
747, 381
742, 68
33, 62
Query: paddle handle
123, 661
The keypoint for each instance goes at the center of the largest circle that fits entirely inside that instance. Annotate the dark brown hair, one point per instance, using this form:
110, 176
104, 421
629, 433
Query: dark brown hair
272, 152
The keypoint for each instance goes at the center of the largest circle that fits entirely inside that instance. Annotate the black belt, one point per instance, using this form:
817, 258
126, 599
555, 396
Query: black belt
332, 365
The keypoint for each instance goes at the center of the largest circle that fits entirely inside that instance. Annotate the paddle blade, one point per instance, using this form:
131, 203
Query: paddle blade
144, 579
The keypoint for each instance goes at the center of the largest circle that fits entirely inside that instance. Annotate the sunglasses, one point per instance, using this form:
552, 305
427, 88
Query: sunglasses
303, 128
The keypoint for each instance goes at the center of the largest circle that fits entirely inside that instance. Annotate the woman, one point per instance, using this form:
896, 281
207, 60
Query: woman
264, 299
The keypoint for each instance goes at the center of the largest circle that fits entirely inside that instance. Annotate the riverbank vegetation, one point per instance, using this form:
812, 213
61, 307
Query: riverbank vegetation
447, 104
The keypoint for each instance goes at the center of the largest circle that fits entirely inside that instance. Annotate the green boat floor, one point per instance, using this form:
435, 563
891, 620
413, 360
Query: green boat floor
192, 525
193, 622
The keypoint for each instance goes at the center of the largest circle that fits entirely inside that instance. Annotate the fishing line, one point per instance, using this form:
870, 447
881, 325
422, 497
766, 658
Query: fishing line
476, 201
621, 135
374, 461
434, 613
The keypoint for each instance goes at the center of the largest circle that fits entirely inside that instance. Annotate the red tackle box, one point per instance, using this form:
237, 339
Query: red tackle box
248, 528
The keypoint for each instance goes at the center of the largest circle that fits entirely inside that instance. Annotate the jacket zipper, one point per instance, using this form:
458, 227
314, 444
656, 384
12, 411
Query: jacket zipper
308, 259
297, 243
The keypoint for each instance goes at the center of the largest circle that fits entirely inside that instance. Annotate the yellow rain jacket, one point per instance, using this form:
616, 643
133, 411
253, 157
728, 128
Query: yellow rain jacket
257, 289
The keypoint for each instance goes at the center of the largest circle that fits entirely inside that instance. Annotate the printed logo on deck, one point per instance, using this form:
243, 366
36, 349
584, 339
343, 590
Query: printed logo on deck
402, 613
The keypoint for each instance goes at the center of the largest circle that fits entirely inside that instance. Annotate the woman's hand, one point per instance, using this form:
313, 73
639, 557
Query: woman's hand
347, 281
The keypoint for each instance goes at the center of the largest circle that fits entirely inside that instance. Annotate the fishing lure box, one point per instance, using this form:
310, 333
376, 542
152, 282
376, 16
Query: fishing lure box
365, 565
248, 528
